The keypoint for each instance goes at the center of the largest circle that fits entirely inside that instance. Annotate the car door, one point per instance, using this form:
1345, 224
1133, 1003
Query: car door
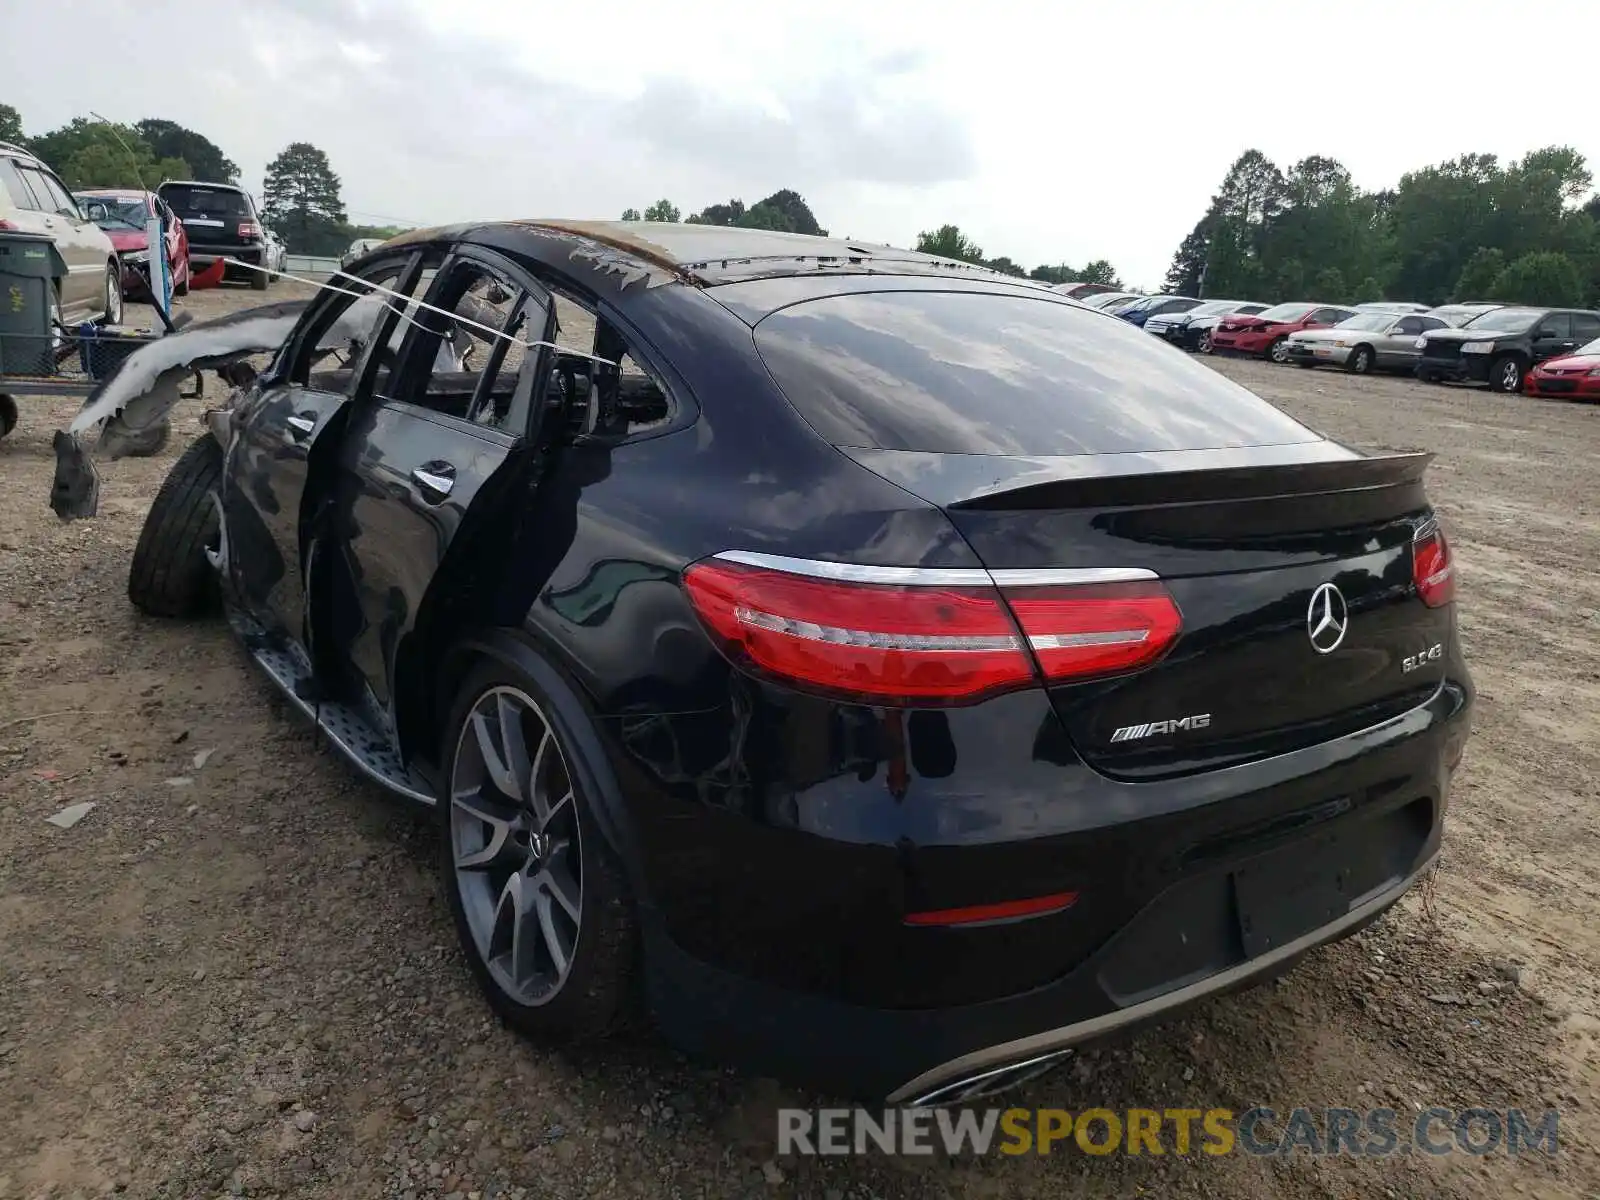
1322, 318
55, 226
326, 363
1398, 347
418, 455
90, 248
1585, 328
1552, 337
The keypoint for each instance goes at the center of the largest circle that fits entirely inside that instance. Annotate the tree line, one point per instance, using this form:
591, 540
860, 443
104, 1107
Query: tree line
1472, 228
301, 201
787, 212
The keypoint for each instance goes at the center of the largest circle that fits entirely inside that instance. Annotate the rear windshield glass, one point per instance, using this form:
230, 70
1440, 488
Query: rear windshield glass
221, 202
979, 373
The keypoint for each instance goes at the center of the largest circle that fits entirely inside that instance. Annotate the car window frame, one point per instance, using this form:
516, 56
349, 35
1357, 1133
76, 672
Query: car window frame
683, 408
71, 211
1585, 339
329, 302
8, 163
1541, 332
413, 345
24, 171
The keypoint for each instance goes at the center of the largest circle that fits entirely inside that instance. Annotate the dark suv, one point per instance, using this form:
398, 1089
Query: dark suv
222, 222
1499, 346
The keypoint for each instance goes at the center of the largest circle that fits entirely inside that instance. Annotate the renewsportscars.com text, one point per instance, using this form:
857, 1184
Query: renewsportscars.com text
1367, 1133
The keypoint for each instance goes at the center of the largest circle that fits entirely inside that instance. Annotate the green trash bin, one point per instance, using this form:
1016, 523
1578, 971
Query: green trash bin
29, 266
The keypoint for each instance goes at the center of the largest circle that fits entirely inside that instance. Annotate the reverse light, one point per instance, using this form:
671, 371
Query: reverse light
940, 637
1433, 568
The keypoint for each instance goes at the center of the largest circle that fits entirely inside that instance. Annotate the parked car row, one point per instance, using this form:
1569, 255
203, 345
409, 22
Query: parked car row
1511, 348
101, 238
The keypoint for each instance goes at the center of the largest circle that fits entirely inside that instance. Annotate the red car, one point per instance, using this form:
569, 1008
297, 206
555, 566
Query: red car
1574, 376
1266, 334
123, 213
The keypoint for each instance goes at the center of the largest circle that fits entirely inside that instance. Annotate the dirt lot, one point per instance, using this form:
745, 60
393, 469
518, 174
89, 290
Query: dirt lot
235, 975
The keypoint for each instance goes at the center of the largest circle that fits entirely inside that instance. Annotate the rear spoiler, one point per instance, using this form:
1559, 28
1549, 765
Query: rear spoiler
1012, 483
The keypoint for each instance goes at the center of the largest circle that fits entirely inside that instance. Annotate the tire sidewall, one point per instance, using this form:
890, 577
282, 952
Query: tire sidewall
596, 996
1360, 360
114, 297
1498, 372
1277, 351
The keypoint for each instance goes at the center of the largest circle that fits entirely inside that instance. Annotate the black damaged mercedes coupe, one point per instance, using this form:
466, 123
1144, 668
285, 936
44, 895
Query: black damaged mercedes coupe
887, 674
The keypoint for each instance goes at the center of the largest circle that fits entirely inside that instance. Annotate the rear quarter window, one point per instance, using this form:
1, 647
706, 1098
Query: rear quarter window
984, 373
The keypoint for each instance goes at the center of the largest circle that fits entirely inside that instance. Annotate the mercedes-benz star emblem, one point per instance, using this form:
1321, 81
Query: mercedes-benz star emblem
1327, 618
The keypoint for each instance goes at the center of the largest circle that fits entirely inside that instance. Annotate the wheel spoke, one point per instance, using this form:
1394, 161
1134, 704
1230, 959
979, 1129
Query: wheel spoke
493, 760
537, 800
502, 823
558, 881
515, 926
515, 744
560, 956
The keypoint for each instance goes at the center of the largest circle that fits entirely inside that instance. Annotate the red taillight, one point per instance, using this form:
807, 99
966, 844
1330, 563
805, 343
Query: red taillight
1432, 567
249, 229
892, 635
1080, 630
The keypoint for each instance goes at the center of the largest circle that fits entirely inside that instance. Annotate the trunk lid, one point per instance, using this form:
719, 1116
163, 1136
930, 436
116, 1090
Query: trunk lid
1257, 558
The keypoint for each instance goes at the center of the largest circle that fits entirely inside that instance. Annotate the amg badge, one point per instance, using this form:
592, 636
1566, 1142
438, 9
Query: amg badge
1130, 733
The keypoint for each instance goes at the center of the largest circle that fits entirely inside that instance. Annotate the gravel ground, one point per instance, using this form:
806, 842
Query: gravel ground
236, 976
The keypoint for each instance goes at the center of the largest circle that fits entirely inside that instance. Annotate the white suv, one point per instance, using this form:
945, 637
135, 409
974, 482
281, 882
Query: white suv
33, 200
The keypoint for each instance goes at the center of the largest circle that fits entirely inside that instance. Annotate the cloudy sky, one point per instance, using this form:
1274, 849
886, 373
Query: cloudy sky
1048, 131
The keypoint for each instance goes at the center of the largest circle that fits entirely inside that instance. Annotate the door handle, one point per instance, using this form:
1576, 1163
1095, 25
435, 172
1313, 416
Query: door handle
435, 479
301, 425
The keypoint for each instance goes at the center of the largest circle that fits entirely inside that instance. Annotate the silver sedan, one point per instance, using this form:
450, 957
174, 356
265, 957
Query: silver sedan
1382, 341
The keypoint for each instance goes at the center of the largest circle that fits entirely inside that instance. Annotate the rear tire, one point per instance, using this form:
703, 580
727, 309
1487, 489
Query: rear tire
596, 994
258, 281
170, 575
181, 288
8, 415
1506, 374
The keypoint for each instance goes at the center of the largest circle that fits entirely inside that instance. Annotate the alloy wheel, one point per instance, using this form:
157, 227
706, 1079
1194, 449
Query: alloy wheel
515, 845
1205, 342
113, 298
1279, 353
1510, 376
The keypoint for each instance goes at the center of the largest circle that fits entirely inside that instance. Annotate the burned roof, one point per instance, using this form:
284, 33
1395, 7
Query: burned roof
711, 254
660, 252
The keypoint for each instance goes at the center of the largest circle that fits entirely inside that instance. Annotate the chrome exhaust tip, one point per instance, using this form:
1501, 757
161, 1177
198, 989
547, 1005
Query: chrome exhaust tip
992, 1082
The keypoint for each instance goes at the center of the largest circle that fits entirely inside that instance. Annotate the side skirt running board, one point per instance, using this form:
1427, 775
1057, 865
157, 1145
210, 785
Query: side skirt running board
341, 724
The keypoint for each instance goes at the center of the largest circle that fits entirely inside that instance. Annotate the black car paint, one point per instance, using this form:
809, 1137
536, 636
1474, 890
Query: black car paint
776, 839
1442, 356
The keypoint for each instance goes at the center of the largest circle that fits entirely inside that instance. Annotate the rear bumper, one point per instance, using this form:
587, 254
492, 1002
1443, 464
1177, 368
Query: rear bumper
1372, 814
205, 255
